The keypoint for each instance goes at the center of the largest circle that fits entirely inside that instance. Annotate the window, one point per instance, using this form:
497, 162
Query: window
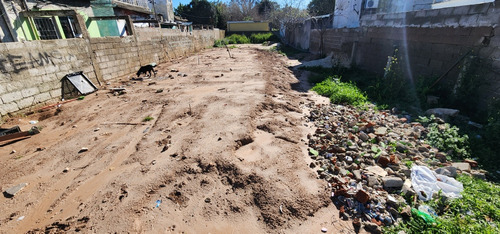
46, 28
68, 26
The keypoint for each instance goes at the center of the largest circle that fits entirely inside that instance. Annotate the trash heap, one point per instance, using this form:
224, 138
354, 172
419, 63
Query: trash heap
366, 157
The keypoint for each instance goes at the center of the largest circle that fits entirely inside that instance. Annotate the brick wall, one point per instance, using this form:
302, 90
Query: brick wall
31, 71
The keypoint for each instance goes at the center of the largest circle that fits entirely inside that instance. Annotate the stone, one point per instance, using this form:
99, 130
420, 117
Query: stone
66, 169
383, 161
362, 196
372, 181
376, 170
372, 227
442, 112
461, 166
357, 174
479, 175
381, 131
406, 212
441, 157
392, 182
443, 171
423, 149
363, 136
389, 171
401, 148
471, 162
324, 229
13, 190
407, 190
83, 149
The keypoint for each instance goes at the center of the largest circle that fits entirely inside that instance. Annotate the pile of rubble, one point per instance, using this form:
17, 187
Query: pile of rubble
366, 157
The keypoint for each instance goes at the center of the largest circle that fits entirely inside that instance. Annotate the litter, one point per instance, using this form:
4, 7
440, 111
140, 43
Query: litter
158, 202
426, 183
15, 133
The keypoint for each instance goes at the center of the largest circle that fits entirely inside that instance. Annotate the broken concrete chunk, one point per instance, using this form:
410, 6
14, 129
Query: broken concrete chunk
13, 190
376, 170
462, 166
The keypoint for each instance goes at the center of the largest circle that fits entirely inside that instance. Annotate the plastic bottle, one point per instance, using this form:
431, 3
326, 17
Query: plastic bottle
426, 217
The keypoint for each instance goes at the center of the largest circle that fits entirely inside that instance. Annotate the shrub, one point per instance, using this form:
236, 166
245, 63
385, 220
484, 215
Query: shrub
259, 38
220, 43
340, 92
237, 39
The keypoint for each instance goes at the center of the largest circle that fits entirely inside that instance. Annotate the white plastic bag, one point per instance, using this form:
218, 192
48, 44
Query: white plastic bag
425, 183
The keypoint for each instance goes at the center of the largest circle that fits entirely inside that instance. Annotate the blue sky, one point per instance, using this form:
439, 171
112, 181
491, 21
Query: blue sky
281, 2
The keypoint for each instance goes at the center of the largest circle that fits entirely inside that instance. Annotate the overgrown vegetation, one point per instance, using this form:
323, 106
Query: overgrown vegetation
237, 39
341, 92
286, 50
260, 38
256, 38
478, 211
446, 138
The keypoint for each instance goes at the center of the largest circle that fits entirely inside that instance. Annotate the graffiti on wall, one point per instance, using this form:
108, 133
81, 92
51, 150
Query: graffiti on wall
17, 63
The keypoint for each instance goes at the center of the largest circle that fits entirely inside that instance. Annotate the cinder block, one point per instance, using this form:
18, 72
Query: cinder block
12, 96
28, 92
42, 97
7, 108
25, 102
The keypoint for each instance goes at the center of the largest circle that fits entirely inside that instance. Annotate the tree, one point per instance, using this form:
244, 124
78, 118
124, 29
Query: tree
321, 7
242, 9
265, 8
198, 12
221, 14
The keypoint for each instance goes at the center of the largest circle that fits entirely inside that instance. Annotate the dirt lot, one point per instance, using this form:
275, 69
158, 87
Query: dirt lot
225, 152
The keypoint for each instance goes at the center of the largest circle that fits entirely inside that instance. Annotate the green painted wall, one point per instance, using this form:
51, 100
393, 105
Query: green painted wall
105, 8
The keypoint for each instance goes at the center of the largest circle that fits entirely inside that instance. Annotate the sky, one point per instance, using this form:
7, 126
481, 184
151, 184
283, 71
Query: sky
281, 2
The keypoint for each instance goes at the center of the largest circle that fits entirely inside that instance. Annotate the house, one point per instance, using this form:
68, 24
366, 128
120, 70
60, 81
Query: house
165, 9
58, 19
247, 26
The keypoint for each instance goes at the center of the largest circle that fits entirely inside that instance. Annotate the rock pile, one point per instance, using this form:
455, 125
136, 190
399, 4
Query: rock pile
366, 158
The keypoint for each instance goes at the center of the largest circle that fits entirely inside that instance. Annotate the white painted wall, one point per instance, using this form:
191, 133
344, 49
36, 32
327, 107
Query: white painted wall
347, 13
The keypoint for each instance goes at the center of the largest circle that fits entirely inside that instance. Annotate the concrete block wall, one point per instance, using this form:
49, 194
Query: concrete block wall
116, 56
431, 40
31, 71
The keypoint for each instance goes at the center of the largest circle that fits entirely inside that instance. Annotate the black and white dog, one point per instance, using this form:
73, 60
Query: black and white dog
147, 69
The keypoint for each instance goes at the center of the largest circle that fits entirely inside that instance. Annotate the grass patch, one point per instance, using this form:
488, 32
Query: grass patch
147, 118
341, 92
286, 50
478, 211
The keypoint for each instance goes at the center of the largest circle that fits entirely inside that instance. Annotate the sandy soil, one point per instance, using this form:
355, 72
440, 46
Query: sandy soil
225, 152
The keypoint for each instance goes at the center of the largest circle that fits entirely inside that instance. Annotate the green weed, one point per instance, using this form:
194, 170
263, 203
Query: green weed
147, 118
448, 139
340, 92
